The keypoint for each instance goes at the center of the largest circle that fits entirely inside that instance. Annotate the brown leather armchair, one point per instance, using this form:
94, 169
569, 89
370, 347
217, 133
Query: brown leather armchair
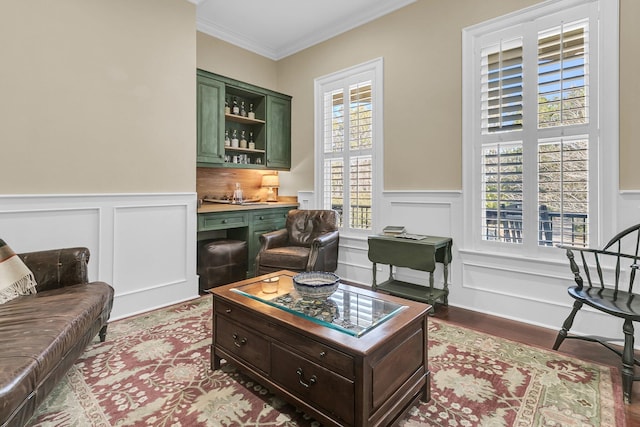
309, 242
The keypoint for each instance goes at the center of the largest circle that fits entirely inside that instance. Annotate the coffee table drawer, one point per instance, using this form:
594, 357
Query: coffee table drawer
323, 355
314, 384
242, 342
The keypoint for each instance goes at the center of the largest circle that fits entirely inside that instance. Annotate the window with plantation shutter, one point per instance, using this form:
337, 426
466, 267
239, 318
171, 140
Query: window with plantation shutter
563, 75
532, 142
346, 115
502, 86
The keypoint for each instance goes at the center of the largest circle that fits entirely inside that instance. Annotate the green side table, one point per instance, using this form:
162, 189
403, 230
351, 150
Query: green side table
415, 254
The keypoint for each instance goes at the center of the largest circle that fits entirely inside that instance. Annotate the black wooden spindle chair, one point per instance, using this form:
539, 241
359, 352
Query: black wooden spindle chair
606, 291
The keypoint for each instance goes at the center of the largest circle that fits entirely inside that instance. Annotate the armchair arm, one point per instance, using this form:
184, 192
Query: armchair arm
324, 252
274, 239
270, 240
56, 268
325, 239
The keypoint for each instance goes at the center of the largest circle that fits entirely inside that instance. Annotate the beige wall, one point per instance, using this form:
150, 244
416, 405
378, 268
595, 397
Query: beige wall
97, 96
629, 95
220, 57
421, 45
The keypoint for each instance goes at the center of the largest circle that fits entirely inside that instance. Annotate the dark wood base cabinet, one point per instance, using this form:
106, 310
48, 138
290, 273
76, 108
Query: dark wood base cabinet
339, 379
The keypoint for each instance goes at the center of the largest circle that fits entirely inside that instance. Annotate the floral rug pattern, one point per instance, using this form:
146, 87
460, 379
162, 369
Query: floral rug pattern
153, 370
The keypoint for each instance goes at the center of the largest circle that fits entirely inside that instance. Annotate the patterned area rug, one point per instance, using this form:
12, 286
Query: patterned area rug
154, 370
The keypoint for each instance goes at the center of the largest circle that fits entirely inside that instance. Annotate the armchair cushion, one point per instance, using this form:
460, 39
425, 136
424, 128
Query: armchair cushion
292, 258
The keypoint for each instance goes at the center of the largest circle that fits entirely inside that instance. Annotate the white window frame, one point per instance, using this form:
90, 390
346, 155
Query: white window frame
373, 70
603, 212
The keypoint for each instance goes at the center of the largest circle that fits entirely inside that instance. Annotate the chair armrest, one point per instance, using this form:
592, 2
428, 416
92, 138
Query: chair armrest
56, 268
323, 255
274, 239
325, 239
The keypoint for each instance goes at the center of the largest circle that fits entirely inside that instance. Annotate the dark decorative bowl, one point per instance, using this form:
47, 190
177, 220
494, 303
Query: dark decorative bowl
315, 284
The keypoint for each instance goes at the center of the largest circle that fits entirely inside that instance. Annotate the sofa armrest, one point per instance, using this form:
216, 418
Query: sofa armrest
56, 268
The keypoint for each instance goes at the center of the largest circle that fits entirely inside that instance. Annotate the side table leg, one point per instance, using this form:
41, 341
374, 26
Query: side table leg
430, 297
446, 283
374, 286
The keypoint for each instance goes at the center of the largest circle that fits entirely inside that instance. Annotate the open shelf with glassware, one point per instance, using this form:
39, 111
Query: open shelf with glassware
241, 125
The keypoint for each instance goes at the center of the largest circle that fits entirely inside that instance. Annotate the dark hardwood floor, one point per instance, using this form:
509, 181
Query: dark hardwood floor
541, 337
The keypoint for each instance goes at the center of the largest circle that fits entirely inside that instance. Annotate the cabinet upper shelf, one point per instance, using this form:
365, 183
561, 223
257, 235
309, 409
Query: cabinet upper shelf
242, 119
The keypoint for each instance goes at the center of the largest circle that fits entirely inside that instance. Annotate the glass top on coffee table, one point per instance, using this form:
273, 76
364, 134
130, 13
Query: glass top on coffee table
345, 310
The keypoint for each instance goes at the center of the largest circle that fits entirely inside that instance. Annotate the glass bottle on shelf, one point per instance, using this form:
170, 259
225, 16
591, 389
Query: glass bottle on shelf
236, 108
243, 140
252, 144
234, 139
252, 114
227, 108
243, 110
227, 141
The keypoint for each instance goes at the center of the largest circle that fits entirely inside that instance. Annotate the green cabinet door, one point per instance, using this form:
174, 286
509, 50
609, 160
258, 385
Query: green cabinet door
278, 132
210, 120
263, 221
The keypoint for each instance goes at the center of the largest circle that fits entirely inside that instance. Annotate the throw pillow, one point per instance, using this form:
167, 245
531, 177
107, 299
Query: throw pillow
15, 277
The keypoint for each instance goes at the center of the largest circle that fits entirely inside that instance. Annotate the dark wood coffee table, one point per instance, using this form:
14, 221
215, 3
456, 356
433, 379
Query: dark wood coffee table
356, 359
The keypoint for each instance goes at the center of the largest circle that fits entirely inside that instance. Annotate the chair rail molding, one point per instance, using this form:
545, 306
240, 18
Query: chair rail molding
141, 244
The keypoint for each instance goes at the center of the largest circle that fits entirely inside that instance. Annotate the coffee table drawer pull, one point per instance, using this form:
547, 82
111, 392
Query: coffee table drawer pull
302, 381
239, 343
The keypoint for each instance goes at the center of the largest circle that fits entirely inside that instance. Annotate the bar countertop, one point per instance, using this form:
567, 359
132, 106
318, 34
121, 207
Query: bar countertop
208, 207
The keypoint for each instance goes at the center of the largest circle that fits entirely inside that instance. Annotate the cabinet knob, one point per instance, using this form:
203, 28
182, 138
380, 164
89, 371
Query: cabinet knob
224, 221
261, 217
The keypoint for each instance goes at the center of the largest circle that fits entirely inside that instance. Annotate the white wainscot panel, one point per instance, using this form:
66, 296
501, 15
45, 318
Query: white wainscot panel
532, 291
353, 263
28, 230
146, 252
141, 244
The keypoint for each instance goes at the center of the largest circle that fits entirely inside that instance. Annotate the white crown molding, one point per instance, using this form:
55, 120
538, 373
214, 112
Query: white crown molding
220, 32
279, 52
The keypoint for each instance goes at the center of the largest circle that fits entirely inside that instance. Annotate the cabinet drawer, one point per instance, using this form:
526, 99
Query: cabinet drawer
313, 383
271, 216
221, 221
242, 342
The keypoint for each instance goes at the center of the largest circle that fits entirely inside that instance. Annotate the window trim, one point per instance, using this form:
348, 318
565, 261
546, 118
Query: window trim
374, 67
605, 220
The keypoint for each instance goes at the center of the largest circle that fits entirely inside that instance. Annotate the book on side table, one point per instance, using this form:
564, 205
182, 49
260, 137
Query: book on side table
393, 230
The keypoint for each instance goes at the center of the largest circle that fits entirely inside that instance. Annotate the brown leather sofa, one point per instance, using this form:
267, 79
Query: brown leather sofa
43, 334
309, 242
